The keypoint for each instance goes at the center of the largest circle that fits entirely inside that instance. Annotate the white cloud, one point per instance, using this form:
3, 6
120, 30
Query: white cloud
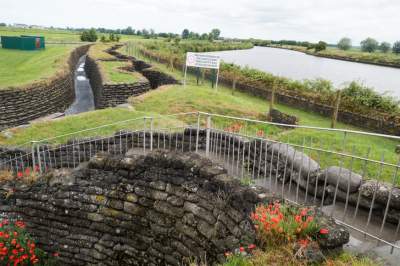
311, 20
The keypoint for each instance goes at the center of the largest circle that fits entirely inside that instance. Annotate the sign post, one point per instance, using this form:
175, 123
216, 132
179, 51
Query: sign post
202, 61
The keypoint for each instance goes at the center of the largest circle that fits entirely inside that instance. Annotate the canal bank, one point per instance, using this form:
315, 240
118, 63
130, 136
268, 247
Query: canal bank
300, 66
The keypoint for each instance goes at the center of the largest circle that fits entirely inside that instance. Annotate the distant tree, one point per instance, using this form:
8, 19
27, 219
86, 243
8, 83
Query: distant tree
139, 32
3, 24
396, 47
215, 33
385, 47
204, 36
129, 31
117, 38
369, 45
146, 33
185, 34
344, 44
152, 33
320, 46
103, 38
89, 36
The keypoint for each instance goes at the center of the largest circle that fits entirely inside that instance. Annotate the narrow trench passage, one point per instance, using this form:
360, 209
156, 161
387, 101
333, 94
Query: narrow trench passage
84, 99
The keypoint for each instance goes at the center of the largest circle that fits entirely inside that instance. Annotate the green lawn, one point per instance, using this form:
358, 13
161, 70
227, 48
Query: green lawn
71, 124
24, 67
114, 73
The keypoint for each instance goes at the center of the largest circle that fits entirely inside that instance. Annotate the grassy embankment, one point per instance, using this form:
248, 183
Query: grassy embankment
18, 68
354, 54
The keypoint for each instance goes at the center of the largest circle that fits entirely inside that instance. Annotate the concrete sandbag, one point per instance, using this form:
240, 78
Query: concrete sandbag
383, 191
347, 180
300, 161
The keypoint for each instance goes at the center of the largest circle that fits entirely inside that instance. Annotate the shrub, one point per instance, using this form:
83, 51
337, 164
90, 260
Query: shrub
89, 36
361, 95
320, 46
385, 47
18, 248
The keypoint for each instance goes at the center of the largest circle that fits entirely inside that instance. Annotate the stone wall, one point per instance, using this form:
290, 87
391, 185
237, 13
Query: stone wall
158, 209
20, 105
141, 210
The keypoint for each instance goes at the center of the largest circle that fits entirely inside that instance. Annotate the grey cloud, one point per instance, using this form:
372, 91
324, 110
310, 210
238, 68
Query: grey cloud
285, 19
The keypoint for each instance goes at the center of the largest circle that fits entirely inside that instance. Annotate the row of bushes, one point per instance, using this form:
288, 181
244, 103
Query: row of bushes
356, 97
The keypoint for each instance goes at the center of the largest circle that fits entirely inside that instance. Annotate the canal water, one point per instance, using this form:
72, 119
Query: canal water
84, 99
300, 66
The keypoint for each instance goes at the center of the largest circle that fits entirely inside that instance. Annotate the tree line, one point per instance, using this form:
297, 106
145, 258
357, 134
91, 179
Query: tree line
370, 45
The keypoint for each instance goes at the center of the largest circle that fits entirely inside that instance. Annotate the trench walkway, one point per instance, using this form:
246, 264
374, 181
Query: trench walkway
84, 99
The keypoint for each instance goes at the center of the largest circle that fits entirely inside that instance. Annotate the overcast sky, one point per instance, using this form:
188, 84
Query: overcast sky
310, 20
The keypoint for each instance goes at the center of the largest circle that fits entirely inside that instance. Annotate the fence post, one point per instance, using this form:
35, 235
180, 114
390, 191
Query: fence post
198, 131
208, 131
144, 135
151, 133
39, 159
336, 110
272, 101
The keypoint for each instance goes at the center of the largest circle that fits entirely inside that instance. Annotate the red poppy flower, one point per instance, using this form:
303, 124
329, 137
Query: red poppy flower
324, 231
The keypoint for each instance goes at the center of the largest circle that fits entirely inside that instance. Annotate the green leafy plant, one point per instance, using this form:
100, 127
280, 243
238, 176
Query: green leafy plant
18, 248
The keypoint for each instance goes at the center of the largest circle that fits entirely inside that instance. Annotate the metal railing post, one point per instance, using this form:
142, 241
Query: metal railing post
198, 131
208, 131
39, 159
151, 133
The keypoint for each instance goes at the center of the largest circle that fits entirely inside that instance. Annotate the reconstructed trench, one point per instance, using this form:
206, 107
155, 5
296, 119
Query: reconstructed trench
90, 89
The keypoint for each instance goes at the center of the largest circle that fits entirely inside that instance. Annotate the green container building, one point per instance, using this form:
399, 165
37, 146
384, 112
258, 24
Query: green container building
28, 43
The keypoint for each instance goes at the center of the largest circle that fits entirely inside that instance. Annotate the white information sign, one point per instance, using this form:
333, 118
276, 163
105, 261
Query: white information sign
202, 61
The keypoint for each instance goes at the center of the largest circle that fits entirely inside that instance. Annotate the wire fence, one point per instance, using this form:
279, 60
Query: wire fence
338, 170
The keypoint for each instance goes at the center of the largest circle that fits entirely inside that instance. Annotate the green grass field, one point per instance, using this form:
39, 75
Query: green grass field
23, 67
50, 35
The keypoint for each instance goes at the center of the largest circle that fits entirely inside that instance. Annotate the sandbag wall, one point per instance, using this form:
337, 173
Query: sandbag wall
110, 94
21, 105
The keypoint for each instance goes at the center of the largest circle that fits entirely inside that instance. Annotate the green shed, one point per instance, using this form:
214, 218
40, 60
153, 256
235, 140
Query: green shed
23, 42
